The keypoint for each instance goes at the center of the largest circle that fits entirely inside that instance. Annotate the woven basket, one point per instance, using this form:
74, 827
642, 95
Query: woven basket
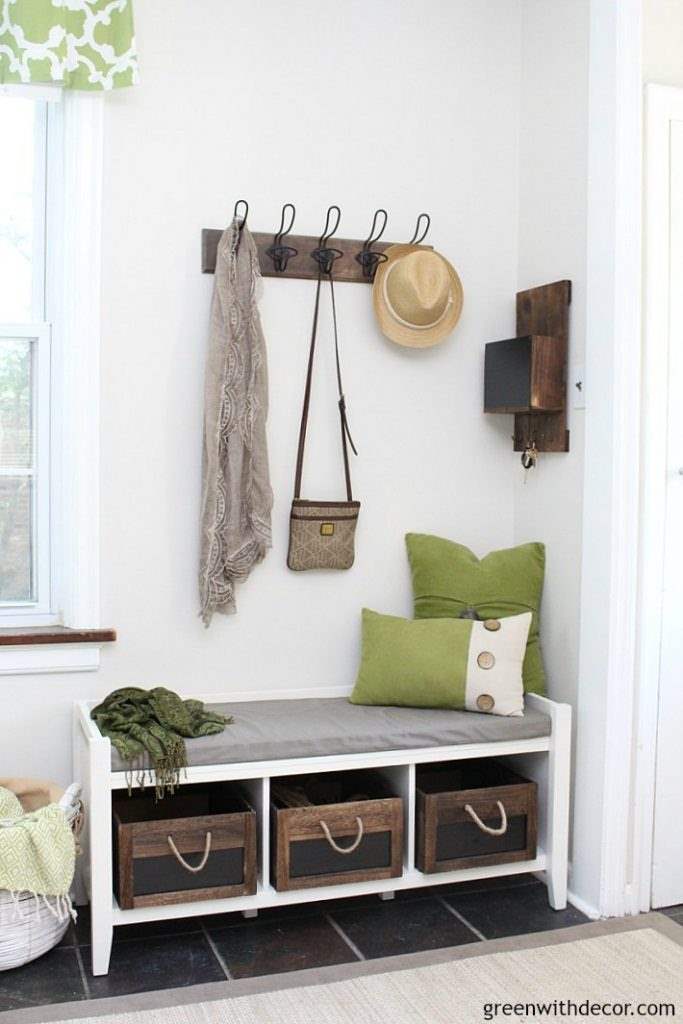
29, 928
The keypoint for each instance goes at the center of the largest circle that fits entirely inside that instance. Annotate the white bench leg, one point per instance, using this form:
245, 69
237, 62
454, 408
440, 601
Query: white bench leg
98, 824
559, 775
552, 774
253, 912
387, 895
102, 934
557, 892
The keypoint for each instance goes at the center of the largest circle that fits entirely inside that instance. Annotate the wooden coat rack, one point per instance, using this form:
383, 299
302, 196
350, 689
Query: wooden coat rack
292, 256
346, 268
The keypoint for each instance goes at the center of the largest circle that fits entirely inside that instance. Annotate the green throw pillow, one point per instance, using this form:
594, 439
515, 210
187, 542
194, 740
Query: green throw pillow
456, 664
448, 579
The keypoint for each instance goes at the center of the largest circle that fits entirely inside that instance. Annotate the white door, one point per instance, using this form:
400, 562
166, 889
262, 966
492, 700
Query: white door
667, 876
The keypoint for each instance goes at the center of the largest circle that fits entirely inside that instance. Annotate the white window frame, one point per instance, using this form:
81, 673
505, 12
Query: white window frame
40, 222
72, 308
41, 610
37, 612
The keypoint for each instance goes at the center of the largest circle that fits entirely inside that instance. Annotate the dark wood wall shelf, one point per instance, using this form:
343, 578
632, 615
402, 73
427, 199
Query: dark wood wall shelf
28, 635
527, 375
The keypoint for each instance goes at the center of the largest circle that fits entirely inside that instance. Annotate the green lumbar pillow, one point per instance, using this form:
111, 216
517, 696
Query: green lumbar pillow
443, 663
449, 580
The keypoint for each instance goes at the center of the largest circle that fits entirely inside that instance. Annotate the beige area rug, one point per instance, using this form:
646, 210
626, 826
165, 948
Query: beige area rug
634, 961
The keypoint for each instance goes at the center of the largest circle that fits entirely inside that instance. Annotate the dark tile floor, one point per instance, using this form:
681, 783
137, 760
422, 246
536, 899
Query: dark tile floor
168, 954
675, 912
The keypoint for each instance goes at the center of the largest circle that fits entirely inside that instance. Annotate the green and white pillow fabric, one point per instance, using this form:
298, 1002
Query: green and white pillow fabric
458, 664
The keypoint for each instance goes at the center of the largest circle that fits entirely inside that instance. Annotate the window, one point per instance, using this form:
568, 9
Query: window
26, 527
52, 151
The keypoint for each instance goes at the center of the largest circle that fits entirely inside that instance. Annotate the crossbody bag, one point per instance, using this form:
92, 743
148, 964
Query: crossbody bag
322, 533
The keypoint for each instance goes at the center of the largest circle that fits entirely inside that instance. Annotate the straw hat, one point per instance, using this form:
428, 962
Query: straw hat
417, 296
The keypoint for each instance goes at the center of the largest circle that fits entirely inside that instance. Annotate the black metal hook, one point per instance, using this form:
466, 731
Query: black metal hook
327, 230
243, 221
282, 230
368, 259
246, 212
415, 240
281, 254
323, 254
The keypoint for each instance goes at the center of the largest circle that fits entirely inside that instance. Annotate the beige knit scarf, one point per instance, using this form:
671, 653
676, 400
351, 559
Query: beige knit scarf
236, 495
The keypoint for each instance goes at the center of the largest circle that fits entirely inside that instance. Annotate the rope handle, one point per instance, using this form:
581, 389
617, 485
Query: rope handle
181, 860
487, 828
341, 849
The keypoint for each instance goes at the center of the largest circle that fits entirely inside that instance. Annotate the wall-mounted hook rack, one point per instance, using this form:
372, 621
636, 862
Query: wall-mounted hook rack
299, 263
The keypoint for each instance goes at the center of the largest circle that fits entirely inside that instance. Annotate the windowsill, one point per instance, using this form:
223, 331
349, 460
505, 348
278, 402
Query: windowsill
24, 636
28, 650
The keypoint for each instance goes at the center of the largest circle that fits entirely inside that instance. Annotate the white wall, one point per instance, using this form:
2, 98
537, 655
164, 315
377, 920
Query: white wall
552, 246
397, 104
663, 41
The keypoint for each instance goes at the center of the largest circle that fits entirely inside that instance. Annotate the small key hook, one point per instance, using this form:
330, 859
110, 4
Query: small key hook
530, 455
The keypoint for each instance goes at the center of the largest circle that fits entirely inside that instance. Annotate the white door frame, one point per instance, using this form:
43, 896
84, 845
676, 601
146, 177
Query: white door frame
606, 707
664, 104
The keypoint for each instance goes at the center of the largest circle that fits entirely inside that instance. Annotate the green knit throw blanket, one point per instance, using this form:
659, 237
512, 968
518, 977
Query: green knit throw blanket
37, 856
154, 723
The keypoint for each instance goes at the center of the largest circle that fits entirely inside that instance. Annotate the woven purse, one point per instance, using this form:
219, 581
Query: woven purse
322, 533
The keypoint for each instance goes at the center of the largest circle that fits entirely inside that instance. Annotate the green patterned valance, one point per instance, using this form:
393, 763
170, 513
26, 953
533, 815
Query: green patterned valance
79, 44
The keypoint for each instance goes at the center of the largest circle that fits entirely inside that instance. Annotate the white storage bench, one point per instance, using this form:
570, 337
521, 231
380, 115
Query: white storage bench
288, 735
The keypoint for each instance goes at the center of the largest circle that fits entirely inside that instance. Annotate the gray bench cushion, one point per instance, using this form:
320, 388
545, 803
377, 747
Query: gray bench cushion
271, 730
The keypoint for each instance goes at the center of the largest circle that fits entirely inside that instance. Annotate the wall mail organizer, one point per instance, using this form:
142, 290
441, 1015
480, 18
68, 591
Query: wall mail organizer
304, 256
527, 375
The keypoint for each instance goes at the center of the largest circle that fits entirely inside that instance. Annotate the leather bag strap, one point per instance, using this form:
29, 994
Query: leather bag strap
345, 432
